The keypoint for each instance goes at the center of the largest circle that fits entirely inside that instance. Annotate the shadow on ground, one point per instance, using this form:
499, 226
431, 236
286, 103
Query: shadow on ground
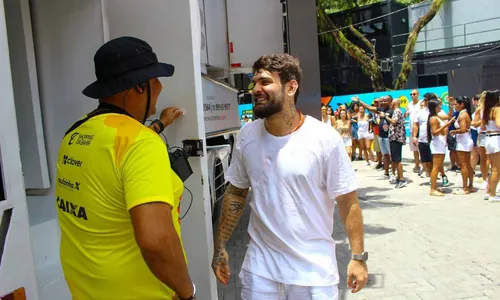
343, 253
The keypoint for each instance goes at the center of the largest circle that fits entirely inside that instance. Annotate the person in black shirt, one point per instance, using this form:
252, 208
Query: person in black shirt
383, 110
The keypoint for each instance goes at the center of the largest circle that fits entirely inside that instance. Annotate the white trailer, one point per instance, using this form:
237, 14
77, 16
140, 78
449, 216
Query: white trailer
46, 59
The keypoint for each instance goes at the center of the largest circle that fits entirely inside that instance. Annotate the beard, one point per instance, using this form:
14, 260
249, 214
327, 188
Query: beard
272, 106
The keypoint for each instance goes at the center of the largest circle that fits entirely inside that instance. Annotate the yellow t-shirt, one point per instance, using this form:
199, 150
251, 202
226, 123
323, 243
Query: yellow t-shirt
105, 167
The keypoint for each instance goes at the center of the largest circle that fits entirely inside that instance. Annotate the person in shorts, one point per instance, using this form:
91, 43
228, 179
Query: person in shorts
422, 140
376, 146
397, 138
385, 148
411, 112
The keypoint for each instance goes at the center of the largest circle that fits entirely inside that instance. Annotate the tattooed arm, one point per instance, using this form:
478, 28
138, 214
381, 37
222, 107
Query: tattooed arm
232, 209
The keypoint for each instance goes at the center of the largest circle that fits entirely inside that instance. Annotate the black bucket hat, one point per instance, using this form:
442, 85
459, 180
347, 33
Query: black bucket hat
122, 64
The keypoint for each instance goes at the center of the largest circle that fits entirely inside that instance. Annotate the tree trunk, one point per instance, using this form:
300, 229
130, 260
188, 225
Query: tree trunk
368, 64
406, 66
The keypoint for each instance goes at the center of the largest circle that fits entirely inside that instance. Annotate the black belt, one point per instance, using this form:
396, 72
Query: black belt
492, 134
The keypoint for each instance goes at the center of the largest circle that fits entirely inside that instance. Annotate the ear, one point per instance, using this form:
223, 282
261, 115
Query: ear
292, 88
141, 87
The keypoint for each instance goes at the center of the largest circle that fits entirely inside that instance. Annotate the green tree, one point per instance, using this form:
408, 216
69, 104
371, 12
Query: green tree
367, 57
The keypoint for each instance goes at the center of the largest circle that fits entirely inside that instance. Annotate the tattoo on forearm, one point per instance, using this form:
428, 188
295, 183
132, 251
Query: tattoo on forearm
236, 207
232, 190
232, 209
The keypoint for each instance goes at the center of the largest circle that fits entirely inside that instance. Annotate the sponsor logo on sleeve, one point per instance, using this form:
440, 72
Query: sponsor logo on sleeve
80, 139
73, 185
69, 160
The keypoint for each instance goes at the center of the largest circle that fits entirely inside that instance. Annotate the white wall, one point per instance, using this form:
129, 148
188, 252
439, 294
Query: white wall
468, 17
255, 29
216, 33
67, 33
304, 45
173, 34
16, 267
25, 82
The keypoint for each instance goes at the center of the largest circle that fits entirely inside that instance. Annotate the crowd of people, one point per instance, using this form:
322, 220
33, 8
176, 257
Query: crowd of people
469, 131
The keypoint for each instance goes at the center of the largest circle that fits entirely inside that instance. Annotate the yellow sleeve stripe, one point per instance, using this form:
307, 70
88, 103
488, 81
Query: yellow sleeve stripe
162, 199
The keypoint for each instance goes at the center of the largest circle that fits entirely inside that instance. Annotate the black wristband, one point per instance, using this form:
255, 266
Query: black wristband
160, 125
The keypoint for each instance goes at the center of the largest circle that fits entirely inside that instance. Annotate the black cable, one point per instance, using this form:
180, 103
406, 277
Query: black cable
185, 153
190, 203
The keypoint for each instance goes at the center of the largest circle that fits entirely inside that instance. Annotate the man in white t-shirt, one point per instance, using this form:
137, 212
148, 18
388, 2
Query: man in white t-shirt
411, 111
297, 168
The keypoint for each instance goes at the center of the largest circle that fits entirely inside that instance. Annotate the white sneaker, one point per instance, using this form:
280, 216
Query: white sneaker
495, 199
483, 185
393, 179
486, 197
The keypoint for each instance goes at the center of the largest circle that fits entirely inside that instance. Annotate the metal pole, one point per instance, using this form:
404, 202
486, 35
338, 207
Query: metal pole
465, 34
389, 23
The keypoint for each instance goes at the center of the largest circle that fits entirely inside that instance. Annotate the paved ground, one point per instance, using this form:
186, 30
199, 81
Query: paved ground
420, 247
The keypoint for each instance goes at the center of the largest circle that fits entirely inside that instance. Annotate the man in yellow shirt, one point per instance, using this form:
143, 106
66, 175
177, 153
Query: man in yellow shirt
117, 195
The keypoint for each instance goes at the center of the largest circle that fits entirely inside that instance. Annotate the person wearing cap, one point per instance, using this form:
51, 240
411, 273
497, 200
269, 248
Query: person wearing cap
116, 193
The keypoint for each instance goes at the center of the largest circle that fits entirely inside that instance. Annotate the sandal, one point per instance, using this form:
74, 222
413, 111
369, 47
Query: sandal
460, 192
437, 194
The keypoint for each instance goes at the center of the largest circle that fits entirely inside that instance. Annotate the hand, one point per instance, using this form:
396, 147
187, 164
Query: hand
453, 132
220, 265
169, 115
415, 141
382, 115
357, 275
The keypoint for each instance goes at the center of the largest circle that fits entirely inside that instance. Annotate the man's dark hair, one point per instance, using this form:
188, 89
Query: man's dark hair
430, 96
284, 64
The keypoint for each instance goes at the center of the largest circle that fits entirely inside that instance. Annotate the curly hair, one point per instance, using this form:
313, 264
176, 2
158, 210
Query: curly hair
287, 67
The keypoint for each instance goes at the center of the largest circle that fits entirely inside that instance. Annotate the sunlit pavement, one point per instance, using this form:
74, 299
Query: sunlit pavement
420, 247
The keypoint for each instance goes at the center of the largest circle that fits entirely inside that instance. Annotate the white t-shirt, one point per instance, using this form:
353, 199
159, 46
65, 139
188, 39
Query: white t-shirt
413, 110
294, 181
421, 119
472, 118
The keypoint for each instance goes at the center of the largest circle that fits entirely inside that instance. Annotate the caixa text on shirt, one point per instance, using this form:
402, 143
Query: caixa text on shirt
72, 209
80, 139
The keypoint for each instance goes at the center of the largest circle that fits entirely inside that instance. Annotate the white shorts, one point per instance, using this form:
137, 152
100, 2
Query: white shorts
438, 144
481, 140
260, 288
464, 143
492, 144
365, 135
347, 141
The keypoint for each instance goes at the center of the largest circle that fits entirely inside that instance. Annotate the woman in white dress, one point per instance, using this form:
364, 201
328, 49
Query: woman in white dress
343, 126
437, 131
464, 144
484, 160
491, 126
365, 136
